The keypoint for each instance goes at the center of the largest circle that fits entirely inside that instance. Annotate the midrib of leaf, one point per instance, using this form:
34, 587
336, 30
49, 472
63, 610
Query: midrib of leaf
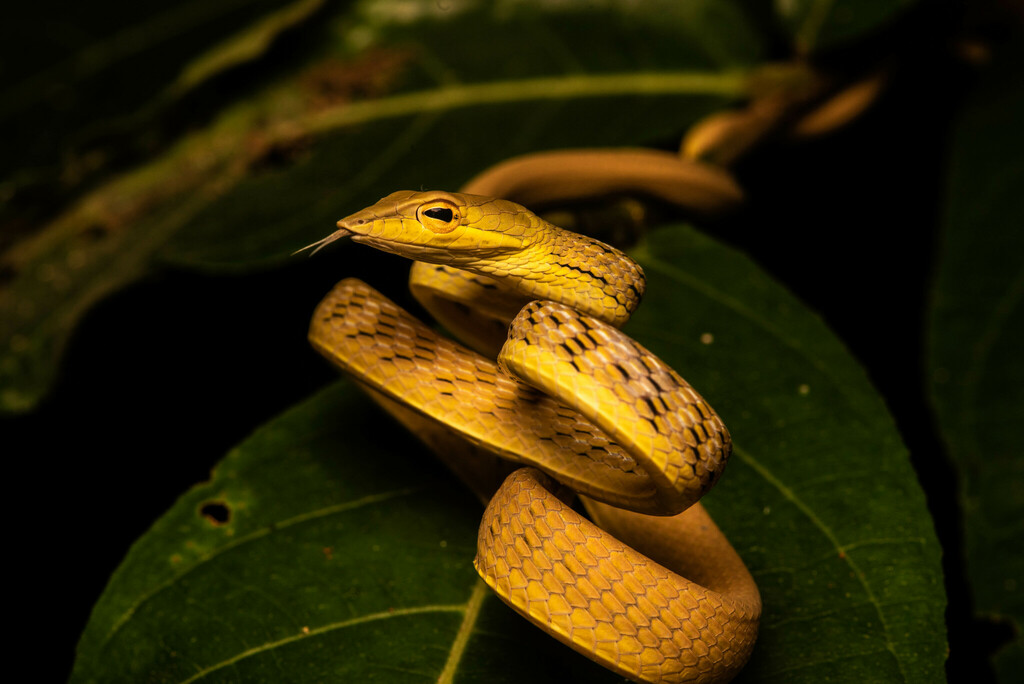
362, 619
682, 278
568, 86
841, 549
472, 608
316, 514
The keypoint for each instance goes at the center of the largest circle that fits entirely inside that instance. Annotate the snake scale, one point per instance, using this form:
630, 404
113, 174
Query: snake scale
648, 586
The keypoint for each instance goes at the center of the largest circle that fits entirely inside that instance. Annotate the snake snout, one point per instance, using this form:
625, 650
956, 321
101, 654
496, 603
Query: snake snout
352, 222
351, 225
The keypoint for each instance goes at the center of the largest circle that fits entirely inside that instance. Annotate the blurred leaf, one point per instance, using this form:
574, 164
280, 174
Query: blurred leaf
976, 338
243, 46
335, 528
398, 103
820, 24
103, 69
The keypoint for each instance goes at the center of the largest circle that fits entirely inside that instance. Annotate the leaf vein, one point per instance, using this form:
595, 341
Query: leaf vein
830, 535
304, 634
476, 600
256, 534
730, 84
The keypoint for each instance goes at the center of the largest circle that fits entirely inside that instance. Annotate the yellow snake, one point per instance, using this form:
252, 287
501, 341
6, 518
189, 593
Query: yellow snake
651, 588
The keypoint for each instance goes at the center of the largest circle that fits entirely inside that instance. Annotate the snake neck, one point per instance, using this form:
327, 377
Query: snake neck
576, 270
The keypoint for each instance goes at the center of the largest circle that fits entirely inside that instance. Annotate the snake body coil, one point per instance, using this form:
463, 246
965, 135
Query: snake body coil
577, 401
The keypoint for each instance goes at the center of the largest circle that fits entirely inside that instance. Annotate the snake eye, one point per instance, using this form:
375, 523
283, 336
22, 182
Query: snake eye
439, 213
439, 216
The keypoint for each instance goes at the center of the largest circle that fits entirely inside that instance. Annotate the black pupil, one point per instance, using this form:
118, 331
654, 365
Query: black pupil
440, 213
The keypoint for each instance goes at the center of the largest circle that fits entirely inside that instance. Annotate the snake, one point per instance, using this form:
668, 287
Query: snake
553, 403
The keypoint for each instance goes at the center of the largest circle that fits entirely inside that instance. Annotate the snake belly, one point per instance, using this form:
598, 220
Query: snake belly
648, 587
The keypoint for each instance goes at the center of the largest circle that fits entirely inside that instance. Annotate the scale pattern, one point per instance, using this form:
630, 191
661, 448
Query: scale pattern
604, 599
638, 401
581, 272
385, 348
578, 400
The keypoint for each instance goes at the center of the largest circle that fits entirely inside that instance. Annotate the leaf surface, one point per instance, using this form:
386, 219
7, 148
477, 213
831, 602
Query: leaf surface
338, 527
976, 336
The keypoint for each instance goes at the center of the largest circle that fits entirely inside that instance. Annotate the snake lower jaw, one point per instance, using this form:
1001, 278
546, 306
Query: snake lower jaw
475, 262
409, 251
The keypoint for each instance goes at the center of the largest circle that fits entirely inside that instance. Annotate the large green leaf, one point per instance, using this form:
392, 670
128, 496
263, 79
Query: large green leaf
820, 497
269, 174
347, 557
976, 338
327, 547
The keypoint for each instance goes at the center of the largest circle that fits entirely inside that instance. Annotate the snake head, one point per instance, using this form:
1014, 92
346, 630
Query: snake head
439, 227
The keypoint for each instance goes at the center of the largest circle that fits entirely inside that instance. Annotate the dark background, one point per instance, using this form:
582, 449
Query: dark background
104, 456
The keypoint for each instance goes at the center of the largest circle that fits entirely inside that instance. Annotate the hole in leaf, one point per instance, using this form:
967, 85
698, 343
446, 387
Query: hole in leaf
217, 512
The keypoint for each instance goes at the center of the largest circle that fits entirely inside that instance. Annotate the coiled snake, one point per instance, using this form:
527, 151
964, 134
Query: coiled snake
574, 400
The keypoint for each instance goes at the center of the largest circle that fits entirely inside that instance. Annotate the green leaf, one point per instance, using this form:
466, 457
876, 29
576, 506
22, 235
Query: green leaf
394, 101
327, 547
976, 337
819, 499
319, 547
